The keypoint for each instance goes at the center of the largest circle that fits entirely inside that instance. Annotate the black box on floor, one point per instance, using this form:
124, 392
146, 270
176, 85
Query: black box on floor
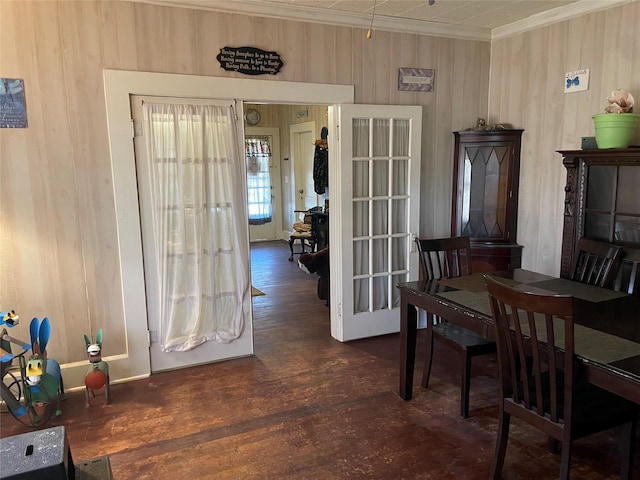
40, 455
94, 469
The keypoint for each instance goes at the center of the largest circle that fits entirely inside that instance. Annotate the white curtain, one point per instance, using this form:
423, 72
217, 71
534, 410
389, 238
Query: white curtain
380, 176
199, 223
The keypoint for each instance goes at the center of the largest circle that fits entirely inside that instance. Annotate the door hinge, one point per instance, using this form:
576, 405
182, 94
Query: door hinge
149, 338
136, 129
510, 193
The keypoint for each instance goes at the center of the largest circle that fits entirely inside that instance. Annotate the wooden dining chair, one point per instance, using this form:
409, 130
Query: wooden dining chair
595, 262
628, 277
538, 383
446, 258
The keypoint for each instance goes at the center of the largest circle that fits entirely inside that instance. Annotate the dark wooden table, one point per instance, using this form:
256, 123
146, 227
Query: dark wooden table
607, 323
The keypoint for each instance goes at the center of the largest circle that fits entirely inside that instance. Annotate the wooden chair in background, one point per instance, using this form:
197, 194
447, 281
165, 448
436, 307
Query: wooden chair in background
596, 262
628, 278
538, 383
446, 258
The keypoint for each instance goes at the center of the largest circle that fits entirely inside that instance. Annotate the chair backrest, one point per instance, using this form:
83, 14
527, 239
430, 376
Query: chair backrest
444, 257
535, 377
596, 262
628, 278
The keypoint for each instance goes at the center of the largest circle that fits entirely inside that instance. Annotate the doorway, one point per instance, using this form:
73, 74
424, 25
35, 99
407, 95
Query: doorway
299, 127
118, 86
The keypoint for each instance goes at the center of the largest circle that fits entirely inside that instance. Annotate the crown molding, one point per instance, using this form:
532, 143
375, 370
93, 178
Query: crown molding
392, 24
332, 17
555, 15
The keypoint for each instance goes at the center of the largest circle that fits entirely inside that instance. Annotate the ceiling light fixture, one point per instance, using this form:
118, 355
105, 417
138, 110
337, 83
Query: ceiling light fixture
373, 13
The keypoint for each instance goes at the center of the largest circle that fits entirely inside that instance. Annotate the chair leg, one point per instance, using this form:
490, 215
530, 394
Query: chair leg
426, 373
465, 384
627, 448
291, 240
501, 446
565, 459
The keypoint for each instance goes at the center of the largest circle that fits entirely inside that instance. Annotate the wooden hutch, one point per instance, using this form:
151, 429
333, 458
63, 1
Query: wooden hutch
602, 199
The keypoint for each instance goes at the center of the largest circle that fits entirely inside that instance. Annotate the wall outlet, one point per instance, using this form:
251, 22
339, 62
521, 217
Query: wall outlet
576, 81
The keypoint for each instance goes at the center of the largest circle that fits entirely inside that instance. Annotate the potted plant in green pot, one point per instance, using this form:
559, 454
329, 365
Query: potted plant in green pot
616, 127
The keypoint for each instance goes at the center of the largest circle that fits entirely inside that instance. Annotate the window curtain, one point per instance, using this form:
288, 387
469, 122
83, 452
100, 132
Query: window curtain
380, 176
199, 223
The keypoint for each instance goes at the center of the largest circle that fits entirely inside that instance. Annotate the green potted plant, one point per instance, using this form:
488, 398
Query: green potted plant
616, 127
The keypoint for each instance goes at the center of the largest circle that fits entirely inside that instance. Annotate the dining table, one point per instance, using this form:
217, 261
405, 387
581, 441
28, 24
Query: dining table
606, 323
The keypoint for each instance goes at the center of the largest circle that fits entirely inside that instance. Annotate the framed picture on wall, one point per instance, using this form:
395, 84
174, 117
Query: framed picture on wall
416, 79
13, 108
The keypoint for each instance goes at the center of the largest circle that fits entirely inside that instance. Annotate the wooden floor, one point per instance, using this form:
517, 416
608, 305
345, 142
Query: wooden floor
306, 406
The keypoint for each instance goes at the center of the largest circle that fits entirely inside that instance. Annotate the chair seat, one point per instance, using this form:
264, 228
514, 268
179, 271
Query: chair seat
463, 339
303, 235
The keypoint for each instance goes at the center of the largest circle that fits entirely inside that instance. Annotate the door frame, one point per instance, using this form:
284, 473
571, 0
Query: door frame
118, 86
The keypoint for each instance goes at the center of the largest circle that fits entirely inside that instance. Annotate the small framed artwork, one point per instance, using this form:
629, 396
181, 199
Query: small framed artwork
13, 107
416, 79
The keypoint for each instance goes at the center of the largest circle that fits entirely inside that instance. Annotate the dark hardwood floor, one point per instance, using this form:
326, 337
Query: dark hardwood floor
306, 406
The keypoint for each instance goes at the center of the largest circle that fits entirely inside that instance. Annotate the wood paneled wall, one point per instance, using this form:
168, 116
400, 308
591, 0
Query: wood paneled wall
58, 243
526, 89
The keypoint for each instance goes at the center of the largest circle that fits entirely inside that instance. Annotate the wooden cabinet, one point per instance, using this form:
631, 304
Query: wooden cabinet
602, 199
485, 196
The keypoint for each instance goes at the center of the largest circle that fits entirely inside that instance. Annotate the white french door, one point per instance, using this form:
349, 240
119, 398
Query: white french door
374, 215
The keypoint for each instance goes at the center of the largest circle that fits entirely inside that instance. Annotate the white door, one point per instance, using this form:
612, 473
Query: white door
208, 351
262, 150
374, 215
303, 138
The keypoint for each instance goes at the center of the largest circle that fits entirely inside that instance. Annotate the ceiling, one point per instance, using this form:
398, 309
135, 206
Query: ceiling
470, 19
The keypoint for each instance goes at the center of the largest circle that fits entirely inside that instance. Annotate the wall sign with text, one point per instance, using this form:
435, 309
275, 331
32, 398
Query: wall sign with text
249, 60
416, 79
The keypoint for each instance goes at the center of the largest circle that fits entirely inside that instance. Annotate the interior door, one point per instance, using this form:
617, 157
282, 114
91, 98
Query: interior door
208, 351
374, 215
303, 137
261, 154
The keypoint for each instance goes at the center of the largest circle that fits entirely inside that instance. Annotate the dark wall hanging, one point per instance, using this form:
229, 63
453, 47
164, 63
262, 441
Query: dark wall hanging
249, 60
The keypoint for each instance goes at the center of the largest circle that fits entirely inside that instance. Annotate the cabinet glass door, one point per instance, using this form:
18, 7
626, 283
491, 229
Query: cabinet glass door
485, 191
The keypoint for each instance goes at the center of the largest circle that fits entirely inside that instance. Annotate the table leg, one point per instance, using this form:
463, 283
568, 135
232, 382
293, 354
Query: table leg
408, 328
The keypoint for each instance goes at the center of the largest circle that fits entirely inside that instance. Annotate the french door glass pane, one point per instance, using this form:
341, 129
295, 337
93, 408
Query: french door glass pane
361, 262
360, 178
400, 177
380, 178
401, 129
360, 137
380, 217
361, 295
381, 137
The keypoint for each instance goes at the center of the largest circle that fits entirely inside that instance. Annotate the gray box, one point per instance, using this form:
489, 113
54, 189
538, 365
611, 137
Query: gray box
589, 143
40, 455
94, 469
